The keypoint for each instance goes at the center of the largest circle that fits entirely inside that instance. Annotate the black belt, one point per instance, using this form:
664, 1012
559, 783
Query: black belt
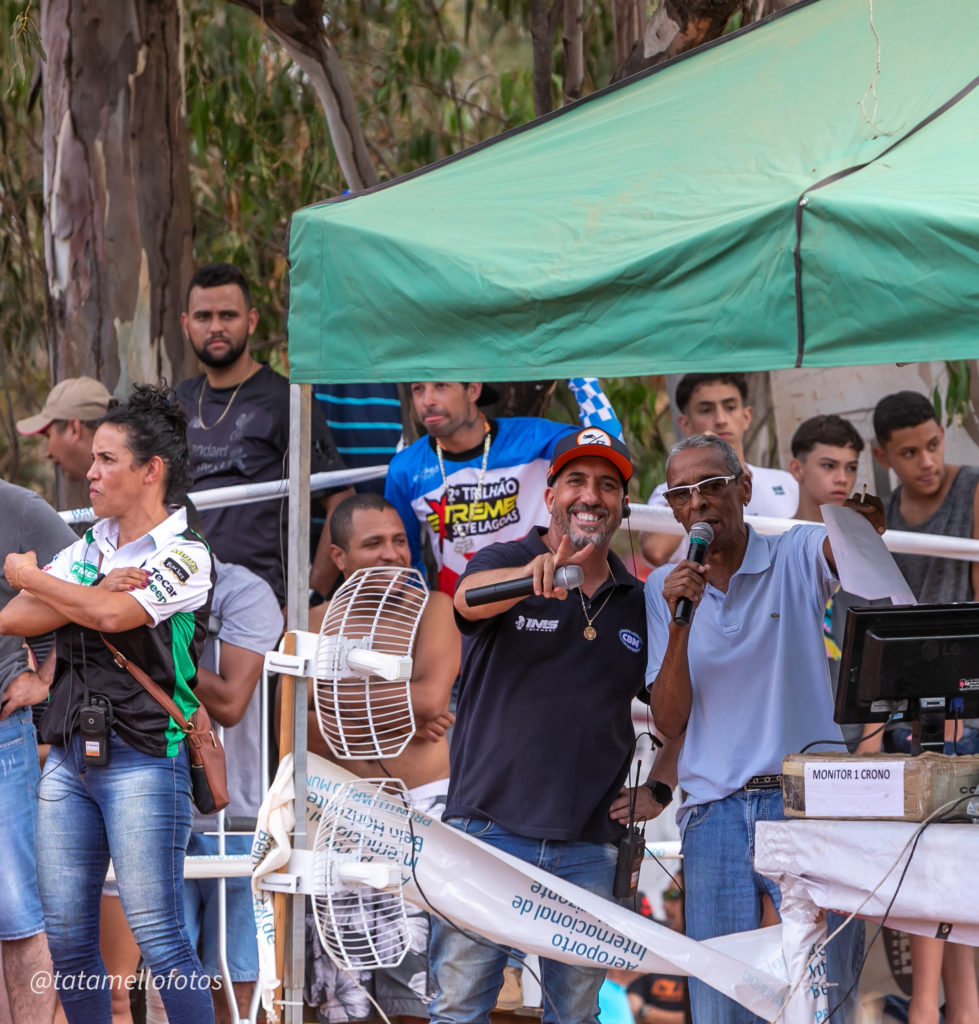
763, 782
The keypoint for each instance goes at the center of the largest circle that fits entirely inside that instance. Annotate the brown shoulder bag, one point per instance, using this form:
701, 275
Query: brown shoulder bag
208, 771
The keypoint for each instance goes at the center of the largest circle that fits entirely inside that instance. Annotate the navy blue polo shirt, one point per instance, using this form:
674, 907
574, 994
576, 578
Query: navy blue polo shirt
543, 735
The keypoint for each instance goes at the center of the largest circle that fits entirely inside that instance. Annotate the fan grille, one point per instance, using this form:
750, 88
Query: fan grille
363, 716
366, 822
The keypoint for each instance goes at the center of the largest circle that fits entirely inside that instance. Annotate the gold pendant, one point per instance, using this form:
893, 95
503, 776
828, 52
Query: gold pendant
590, 632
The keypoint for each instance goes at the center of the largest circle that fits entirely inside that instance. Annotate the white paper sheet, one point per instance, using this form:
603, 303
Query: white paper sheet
866, 568
870, 789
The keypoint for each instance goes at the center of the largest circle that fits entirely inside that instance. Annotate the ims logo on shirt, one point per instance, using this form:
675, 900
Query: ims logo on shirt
536, 625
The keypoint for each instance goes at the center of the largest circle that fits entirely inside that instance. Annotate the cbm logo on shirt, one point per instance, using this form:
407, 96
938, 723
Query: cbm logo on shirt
632, 640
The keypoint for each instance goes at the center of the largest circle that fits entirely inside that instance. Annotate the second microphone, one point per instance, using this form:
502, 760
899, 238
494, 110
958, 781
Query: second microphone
701, 535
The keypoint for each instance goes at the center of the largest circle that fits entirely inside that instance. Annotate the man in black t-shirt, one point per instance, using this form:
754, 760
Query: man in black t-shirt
543, 736
238, 431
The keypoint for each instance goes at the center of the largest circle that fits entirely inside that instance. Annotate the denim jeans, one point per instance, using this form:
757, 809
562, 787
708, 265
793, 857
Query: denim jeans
724, 895
20, 905
136, 809
467, 973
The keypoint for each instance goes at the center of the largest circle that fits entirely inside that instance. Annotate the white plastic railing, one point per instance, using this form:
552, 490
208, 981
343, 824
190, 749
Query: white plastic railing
245, 494
660, 520
644, 517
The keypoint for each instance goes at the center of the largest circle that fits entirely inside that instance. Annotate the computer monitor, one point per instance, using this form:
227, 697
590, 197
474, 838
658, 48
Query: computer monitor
921, 661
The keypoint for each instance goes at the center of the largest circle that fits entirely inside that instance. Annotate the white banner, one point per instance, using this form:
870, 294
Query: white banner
517, 905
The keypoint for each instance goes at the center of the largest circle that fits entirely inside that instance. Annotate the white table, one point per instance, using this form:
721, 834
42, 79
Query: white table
835, 864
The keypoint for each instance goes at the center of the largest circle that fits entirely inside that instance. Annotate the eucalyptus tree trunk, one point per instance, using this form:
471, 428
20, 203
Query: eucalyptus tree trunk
117, 231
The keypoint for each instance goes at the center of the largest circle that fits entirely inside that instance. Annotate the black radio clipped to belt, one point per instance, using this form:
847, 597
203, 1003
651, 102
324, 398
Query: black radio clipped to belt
632, 848
95, 724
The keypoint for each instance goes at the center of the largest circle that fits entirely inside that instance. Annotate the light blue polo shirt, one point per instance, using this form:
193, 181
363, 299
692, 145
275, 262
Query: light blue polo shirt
761, 686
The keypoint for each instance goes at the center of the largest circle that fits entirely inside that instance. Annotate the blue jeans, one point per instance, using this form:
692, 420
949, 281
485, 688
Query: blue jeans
136, 809
467, 974
20, 904
724, 895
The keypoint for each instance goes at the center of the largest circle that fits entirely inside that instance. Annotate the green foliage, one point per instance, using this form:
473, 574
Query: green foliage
956, 403
259, 149
430, 77
23, 356
643, 407
259, 143
26, 42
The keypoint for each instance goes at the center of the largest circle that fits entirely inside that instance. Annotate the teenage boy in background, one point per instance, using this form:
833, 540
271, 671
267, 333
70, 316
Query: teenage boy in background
825, 454
931, 496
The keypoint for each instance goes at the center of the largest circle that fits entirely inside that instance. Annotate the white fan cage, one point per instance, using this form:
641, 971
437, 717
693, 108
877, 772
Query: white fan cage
373, 618
366, 822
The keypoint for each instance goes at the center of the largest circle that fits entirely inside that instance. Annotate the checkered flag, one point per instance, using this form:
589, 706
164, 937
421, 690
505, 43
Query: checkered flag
594, 409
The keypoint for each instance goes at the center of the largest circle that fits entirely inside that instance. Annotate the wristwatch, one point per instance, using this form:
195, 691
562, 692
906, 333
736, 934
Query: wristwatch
662, 793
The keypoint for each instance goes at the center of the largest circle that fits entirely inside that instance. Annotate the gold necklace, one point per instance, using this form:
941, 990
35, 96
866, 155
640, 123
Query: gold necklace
200, 403
589, 632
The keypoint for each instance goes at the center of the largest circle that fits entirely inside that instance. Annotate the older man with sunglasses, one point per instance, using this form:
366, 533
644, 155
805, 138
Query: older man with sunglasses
747, 682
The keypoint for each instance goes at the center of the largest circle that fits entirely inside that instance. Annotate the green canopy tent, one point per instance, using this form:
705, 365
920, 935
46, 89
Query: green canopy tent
768, 201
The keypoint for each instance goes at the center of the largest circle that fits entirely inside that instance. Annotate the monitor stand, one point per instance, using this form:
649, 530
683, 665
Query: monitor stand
928, 733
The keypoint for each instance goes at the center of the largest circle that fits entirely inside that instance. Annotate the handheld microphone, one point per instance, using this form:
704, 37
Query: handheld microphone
566, 576
701, 535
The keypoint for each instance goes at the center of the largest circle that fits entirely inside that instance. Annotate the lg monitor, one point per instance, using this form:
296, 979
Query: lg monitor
920, 662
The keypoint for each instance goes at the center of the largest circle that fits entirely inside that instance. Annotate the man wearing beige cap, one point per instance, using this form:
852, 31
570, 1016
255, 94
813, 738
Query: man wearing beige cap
68, 419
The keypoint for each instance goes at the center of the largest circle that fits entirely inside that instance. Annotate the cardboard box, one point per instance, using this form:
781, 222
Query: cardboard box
894, 787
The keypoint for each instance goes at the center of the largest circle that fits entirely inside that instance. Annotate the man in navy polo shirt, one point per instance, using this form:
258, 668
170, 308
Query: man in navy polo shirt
543, 735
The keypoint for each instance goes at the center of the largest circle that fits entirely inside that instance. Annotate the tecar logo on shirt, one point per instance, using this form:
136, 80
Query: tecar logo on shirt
536, 625
85, 572
631, 640
178, 570
161, 586
458, 514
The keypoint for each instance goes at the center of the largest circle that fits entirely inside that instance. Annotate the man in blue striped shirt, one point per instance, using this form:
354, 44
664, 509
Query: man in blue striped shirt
366, 423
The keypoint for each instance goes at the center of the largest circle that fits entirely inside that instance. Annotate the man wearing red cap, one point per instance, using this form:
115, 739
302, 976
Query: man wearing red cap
546, 686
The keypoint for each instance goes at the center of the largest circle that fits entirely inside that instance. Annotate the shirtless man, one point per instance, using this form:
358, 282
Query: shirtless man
367, 531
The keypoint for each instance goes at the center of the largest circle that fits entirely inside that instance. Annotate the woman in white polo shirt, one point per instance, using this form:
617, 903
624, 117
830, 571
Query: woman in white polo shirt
117, 781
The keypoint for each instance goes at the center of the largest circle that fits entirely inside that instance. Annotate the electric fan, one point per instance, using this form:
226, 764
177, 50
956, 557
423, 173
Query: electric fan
362, 663
356, 884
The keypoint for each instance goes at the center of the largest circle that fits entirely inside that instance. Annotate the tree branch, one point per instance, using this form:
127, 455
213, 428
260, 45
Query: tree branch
541, 35
299, 29
574, 51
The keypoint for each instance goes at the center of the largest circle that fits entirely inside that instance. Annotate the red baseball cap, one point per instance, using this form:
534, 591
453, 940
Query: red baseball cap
594, 442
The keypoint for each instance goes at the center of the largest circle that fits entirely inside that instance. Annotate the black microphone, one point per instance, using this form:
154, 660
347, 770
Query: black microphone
566, 576
701, 535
